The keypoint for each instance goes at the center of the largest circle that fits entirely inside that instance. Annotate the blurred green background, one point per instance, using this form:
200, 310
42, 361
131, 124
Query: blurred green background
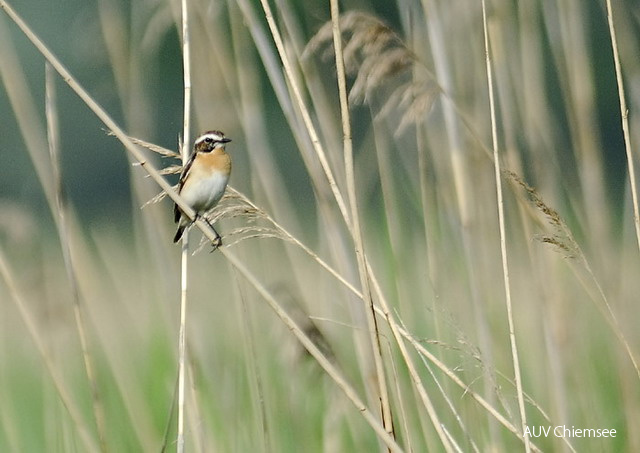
425, 187
95, 168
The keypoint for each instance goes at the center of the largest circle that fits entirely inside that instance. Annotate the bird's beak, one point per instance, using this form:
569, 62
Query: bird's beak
225, 140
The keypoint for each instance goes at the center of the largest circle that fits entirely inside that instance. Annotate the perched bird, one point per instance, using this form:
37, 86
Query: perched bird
203, 179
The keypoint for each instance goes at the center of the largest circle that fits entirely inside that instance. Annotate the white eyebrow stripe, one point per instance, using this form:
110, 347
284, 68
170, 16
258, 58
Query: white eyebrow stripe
215, 137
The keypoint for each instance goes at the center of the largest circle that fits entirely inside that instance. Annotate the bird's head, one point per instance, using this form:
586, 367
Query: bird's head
209, 141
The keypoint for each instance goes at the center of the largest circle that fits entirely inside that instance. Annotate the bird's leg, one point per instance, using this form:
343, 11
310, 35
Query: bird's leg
217, 242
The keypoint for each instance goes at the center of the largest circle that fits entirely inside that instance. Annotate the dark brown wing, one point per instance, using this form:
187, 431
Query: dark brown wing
183, 177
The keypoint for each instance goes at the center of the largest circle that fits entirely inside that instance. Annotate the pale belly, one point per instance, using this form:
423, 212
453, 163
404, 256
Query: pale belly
206, 193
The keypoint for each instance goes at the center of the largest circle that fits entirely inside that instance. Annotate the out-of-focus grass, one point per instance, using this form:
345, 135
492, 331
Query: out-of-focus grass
424, 179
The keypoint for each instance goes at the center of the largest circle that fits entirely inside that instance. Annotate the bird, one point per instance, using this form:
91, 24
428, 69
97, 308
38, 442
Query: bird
203, 180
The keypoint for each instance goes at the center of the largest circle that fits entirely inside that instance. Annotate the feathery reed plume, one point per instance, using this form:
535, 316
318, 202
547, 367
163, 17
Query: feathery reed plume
379, 59
560, 237
563, 239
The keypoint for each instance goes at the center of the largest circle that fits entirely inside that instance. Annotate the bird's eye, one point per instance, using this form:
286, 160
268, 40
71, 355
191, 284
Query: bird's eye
208, 140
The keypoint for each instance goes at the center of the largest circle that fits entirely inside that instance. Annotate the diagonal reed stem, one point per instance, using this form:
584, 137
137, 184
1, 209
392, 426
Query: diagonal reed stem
57, 379
326, 364
306, 117
62, 227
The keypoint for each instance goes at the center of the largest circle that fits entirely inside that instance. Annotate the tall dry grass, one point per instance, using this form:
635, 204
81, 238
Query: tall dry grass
363, 211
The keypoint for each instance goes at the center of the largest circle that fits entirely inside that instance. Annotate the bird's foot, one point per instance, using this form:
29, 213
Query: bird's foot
217, 242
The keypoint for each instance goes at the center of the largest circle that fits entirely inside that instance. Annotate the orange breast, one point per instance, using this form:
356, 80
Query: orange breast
216, 160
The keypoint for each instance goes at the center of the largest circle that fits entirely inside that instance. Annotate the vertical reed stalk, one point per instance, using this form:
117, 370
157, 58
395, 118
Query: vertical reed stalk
624, 112
182, 352
503, 239
374, 332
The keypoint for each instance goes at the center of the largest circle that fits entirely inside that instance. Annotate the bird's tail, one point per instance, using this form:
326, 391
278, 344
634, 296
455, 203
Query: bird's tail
178, 236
